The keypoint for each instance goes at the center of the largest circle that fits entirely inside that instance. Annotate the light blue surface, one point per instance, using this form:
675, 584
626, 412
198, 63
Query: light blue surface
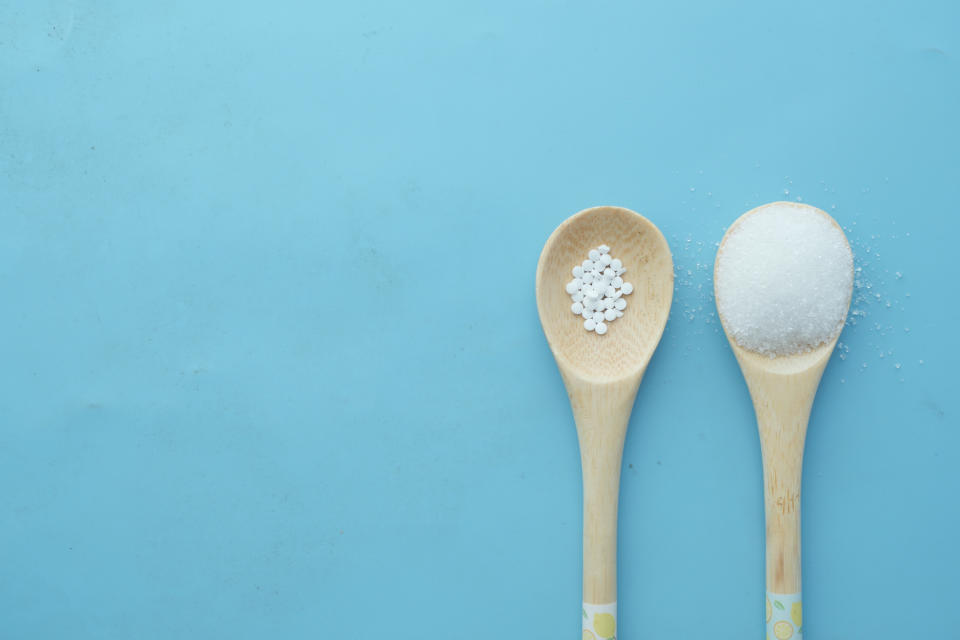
271, 361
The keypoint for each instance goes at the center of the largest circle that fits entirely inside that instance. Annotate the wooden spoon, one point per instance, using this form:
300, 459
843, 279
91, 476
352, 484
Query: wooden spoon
602, 374
782, 389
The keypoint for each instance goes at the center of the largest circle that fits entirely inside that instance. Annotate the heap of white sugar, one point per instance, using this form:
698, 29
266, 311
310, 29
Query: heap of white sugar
596, 289
784, 277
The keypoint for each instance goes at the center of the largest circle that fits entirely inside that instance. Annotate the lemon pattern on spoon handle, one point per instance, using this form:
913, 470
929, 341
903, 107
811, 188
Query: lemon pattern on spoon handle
784, 616
599, 621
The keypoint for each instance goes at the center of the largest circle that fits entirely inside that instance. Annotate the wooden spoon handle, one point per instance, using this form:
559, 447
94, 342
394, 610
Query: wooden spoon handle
784, 609
602, 412
601, 488
782, 501
782, 436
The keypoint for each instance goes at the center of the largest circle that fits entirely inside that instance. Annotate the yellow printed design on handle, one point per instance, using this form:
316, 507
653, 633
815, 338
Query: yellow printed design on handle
600, 621
784, 616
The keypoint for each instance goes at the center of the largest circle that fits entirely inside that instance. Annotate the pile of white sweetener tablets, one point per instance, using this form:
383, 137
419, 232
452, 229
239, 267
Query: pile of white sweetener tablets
596, 289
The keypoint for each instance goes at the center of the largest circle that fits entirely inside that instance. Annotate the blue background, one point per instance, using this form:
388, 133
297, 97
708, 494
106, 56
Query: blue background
271, 363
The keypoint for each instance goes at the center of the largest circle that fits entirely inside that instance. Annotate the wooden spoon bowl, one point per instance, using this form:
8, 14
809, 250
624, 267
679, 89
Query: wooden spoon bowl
632, 339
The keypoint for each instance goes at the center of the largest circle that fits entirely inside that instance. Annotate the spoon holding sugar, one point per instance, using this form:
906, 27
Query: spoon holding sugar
783, 279
602, 374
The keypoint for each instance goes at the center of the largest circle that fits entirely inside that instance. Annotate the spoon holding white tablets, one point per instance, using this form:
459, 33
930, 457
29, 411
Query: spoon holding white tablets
602, 374
783, 279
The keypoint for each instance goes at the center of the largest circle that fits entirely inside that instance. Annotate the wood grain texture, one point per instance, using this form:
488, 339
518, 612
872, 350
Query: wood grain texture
602, 373
782, 390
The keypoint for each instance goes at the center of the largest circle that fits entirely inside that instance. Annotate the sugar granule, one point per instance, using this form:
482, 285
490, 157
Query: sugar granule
784, 279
